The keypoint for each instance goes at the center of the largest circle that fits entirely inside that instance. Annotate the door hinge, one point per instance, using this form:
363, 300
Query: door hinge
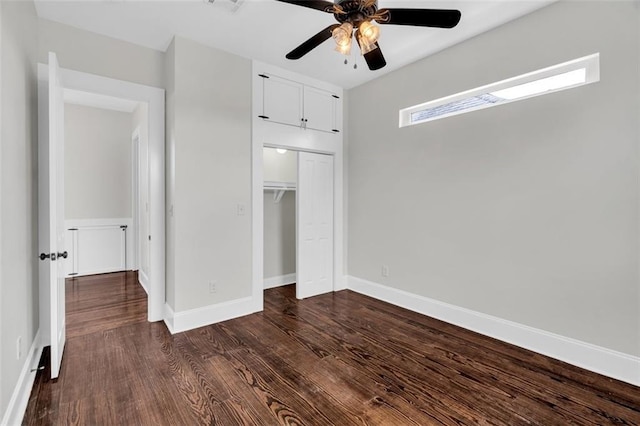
123, 227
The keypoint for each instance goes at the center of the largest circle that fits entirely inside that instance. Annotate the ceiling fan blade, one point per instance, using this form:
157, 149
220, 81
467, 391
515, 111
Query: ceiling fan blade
375, 59
440, 18
323, 5
312, 43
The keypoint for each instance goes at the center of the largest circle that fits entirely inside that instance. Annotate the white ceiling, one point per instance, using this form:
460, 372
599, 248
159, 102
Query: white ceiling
266, 30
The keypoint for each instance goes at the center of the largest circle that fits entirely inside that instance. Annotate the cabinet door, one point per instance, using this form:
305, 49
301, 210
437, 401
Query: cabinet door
319, 109
282, 100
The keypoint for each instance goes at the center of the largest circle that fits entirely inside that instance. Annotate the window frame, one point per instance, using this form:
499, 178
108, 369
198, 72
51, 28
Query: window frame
591, 63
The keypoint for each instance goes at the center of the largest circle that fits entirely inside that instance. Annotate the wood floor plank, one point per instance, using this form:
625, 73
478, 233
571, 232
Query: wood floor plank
334, 359
469, 374
517, 374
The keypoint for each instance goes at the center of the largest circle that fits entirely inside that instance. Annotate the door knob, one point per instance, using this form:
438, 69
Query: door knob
51, 256
63, 255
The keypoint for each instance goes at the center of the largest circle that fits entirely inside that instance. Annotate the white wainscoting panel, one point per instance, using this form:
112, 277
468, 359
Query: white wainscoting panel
98, 246
591, 357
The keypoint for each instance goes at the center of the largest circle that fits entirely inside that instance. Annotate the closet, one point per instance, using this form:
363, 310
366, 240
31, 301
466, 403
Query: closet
299, 215
280, 184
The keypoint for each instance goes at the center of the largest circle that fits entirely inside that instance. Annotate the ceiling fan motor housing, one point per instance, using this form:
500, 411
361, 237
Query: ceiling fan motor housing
355, 11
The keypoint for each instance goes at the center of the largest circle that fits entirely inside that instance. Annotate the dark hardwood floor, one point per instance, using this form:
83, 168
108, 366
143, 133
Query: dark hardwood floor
341, 359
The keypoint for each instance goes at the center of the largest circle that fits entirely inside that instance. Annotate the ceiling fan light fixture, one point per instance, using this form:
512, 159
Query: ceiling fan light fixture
342, 36
369, 31
365, 45
345, 50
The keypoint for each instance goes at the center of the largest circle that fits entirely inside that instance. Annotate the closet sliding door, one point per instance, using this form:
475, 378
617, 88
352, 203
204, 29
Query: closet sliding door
314, 212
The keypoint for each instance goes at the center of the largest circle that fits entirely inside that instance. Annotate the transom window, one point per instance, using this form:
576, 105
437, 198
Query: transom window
567, 75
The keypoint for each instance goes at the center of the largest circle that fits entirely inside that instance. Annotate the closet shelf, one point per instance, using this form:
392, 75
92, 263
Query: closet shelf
279, 188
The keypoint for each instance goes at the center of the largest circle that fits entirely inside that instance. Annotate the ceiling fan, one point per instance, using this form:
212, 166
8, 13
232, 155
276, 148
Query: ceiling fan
356, 18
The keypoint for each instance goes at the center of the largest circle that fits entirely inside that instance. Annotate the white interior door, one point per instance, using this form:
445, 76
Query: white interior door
314, 210
55, 212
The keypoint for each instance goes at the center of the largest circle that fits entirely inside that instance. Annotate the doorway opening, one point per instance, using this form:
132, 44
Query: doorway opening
298, 220
280, 180
106, 179
53, 81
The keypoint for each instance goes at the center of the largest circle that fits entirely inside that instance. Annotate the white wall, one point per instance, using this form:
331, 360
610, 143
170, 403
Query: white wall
279, 235
527, 211
209, 144
97, 163
93, 53
18, 180
280, 167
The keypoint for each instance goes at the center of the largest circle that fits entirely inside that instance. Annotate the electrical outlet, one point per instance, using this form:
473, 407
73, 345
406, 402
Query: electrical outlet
213, 287
19, 347
385, 270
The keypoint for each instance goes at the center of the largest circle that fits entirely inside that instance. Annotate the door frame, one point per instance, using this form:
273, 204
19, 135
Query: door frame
274, 135
135, 194
154, 97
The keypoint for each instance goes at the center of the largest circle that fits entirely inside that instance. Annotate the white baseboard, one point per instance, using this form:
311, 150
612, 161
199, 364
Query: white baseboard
591, 357
143, 280
22, 391
178, 322
279, 281
168, 318
341, 284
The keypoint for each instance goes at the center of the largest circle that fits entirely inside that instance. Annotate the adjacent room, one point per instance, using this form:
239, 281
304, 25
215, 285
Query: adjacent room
384, 212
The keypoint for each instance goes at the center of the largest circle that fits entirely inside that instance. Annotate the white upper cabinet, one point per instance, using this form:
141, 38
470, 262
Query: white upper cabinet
296, 104
319, 109
283, 101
